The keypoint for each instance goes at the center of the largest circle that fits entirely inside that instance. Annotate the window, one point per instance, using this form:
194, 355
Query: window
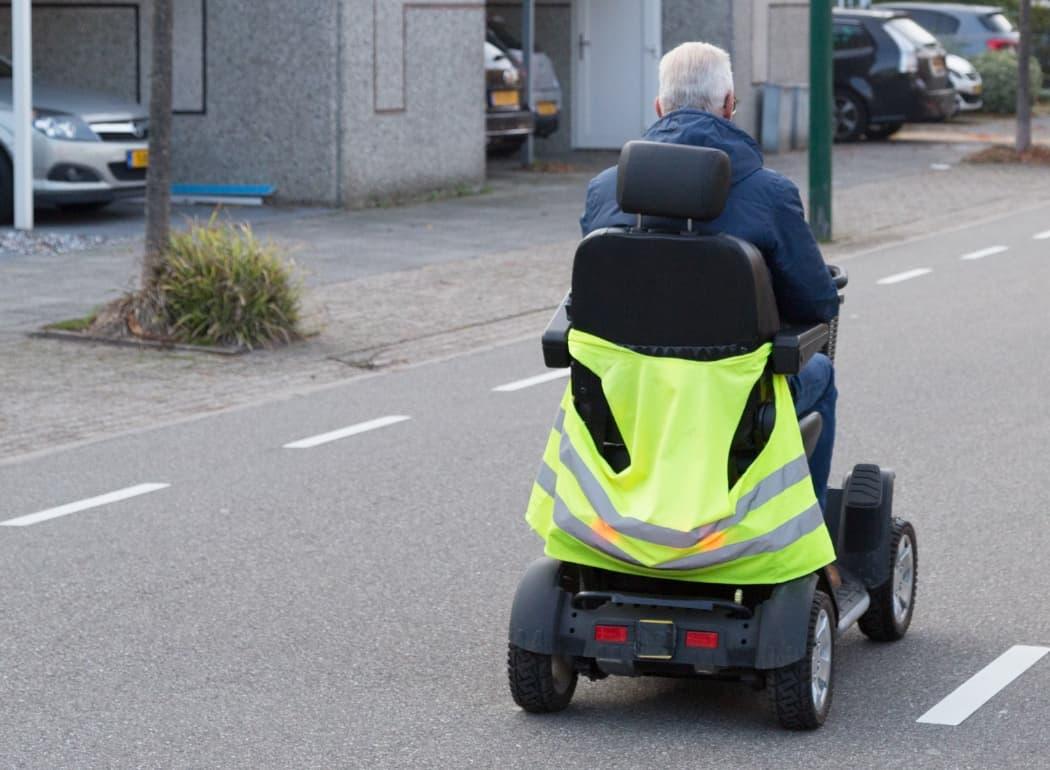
996, 22
849, 37
935, 22
912, 32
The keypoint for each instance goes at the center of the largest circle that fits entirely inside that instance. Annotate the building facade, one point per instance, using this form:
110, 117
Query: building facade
356, 102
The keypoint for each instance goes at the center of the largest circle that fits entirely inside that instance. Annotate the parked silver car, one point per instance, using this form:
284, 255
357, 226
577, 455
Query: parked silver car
88, 148
967, 83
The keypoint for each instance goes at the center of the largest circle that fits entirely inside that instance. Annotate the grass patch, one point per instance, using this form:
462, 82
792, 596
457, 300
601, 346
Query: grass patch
1002, 153
220, 285
74, 324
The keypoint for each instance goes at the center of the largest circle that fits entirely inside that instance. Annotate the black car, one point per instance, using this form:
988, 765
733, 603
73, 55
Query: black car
888, 71
507, 120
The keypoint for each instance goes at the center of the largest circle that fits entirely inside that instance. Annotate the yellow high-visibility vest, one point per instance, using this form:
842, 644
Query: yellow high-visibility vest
671, 512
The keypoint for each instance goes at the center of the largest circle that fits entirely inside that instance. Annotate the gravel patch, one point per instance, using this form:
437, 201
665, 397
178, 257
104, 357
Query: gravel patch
33, 243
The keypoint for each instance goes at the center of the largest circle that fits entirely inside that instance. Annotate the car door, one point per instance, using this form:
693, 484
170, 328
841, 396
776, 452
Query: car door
853, 54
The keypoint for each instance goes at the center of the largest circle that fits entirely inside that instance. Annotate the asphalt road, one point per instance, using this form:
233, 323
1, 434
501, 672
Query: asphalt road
346, 604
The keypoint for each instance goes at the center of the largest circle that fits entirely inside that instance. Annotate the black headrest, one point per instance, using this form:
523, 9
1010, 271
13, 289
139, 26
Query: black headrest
672, 180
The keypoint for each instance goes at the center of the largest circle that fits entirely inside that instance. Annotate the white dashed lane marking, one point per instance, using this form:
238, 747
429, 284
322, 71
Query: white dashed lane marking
907, 275
351, 430
983, 686
528, 382
982, 253
83, 505
1043, 236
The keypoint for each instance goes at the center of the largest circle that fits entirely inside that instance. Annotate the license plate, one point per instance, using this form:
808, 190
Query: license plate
505, 99
655, 639
547, 108
138, 158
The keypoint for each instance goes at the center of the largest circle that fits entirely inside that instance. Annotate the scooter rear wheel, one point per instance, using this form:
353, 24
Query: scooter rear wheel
802, 691
539, 683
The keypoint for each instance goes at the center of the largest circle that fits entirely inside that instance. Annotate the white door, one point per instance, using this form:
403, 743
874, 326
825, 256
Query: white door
616, 57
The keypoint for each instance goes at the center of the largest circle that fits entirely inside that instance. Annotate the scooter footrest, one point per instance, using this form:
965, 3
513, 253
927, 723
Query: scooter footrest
852, 600
865, 488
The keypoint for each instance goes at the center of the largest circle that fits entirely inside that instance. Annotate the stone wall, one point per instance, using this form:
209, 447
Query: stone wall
414, 109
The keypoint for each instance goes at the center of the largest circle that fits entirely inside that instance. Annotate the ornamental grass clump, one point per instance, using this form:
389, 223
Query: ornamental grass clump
220, 285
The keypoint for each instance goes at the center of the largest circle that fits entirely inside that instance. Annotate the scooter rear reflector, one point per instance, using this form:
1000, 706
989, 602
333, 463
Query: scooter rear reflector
610, 634
705, 640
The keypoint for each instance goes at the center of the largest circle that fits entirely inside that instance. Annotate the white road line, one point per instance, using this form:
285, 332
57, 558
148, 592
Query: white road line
83, 505
982, 686
1043, 236
985, 252
530, 381
352, 430
907, 275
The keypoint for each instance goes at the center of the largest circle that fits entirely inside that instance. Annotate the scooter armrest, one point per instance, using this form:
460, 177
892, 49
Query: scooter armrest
793, 346
555, 338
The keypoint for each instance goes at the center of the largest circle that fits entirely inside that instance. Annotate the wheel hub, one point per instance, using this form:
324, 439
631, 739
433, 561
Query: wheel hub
903, 579
561, 673
820, 665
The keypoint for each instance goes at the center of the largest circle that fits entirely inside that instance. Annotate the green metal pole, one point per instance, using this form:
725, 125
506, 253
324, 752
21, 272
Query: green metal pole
821, 125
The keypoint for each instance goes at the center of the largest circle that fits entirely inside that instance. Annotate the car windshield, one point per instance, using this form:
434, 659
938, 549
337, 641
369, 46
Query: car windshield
504, 37
912, 32
996, 22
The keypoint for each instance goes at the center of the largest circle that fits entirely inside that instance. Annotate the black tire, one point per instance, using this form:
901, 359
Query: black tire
880, 131
887, 620
83, 208
7, 190
851, 116
793, 687
539, 683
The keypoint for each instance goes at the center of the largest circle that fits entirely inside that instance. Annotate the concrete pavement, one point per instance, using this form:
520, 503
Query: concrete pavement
346, 605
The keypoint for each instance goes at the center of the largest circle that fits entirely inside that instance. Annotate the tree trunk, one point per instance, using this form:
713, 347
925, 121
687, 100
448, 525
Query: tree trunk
158, 184
1024, 84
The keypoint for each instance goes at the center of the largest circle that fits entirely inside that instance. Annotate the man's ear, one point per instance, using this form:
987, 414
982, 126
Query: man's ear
659, 110
727, 106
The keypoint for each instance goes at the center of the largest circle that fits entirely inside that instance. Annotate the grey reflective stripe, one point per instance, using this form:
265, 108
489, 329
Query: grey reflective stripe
573, 526
559, 421
602, 505
768, 488
546, 479
780, 538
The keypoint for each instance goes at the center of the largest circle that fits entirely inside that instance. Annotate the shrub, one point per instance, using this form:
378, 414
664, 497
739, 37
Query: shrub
999, 72
221, 285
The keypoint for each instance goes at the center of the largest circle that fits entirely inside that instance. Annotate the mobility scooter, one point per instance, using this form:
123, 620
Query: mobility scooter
683, 535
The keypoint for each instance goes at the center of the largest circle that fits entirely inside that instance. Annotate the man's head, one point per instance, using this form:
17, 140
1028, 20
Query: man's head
696, 75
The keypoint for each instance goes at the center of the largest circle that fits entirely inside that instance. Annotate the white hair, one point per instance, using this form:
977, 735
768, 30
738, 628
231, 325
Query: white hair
697, 75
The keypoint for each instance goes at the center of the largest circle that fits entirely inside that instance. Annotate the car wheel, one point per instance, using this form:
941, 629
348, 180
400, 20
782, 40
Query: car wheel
802, 691
540, 683
893, 603
7, 190
879, 131
851, 117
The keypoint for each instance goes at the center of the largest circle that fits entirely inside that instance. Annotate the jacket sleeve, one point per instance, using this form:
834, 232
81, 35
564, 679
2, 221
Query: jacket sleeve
802, 283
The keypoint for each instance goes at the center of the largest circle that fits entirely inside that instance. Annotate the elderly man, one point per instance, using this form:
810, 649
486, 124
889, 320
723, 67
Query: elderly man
695, 105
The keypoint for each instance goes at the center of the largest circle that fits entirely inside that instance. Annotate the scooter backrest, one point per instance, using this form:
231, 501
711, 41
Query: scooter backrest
672, 180
678, 294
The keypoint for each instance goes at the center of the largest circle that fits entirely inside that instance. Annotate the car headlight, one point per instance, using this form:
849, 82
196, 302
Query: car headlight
511, 77
61, 125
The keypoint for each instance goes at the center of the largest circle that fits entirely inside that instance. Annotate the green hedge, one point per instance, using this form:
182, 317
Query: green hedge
999, 72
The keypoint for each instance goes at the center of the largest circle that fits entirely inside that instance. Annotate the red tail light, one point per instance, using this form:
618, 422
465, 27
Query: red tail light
610, 634
1000, 44
705, 640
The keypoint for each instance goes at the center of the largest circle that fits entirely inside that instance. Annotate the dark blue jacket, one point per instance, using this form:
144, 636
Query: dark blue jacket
763, 208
